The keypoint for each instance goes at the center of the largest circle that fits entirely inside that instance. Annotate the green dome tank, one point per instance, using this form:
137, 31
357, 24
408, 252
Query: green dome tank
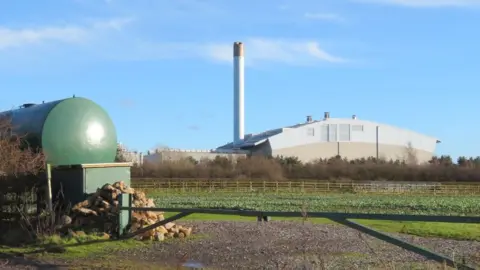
69, 131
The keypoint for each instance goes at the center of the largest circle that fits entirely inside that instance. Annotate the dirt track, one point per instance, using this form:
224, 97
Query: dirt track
291, 245
278, 245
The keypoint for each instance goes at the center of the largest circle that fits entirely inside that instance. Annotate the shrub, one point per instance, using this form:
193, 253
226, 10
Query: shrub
21, 175
440, 169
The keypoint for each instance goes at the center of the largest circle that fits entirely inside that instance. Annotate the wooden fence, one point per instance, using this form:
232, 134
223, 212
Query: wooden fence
20, 197
206, 185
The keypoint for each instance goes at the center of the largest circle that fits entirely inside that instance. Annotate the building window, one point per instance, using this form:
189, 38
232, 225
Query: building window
344, 130
311, 132
324, 133
357, 127
332, 133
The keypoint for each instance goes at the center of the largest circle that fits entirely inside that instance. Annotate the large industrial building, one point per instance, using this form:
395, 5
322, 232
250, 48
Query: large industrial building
349, 138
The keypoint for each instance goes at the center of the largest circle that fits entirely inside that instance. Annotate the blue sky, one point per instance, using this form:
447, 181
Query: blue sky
163, 69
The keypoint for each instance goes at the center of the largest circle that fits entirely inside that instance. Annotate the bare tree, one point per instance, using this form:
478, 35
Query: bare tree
410, 154
16, 156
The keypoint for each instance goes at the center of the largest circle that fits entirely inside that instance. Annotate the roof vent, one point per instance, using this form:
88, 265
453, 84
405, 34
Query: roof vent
354, 117
26, 105
326, 115
309, 118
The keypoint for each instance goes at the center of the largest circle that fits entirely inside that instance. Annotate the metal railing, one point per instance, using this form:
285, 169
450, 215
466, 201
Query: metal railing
238, 186
126, 209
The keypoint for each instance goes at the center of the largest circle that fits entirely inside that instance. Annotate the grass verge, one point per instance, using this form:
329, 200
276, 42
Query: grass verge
72, 247
85, 251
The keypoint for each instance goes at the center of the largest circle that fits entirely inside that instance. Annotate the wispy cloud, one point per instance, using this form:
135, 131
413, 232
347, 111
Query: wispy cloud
425, 3
150, 37
275, 50
257, 50
114, 24
324, 17
17, 37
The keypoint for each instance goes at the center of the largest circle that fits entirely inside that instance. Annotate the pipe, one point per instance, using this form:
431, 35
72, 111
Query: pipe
238, 92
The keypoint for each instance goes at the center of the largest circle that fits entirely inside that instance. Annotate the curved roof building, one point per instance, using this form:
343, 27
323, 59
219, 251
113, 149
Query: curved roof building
349, 138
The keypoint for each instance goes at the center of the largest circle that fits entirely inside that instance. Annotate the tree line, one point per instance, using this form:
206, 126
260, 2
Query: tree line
438, 169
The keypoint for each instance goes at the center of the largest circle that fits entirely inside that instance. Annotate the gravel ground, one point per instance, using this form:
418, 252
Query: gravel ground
293, 245
281, 245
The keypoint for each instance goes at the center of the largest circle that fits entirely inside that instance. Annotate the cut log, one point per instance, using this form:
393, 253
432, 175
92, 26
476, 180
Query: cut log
159, 236
186, 231
169, 225
151, 215
86, 211
162, 230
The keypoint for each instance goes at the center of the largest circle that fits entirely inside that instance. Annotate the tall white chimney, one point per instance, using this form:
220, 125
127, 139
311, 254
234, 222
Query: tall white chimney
238, 92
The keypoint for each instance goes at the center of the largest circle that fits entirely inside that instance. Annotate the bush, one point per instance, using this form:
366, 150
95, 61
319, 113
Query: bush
16, 157
439, 169
21, 180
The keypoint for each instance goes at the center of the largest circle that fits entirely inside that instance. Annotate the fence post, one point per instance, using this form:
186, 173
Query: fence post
303, 186
251, 187
49, 193
124, 215
276, 187
264, 187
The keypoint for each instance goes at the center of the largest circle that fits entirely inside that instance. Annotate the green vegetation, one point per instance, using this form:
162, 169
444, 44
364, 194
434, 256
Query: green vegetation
82, 251
72, 247
88, 251
381, 204
339, 203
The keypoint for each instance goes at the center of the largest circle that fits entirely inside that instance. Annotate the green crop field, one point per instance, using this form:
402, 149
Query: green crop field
391, 204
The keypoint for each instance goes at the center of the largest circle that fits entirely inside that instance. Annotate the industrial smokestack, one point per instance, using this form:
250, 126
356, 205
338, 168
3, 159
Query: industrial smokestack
238, 92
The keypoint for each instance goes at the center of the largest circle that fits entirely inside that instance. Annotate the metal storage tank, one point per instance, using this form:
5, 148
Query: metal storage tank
69, 131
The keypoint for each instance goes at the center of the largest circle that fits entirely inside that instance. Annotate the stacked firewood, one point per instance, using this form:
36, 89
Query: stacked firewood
102, 207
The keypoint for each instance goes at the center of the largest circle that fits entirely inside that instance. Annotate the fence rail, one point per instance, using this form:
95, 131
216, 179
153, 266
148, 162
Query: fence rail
125, 218
206, 185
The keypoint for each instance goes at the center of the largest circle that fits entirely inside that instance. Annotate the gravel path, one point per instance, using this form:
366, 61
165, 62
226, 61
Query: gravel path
275, 245
293, 245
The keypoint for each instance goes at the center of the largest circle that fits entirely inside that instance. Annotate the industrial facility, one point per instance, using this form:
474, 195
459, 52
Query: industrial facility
160, 155
349, 138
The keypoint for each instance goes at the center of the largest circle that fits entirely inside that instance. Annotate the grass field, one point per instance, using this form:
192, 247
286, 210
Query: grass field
427, 205
101, 254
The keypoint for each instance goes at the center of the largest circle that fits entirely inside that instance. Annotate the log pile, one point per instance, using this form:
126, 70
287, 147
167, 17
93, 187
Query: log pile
102, 209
